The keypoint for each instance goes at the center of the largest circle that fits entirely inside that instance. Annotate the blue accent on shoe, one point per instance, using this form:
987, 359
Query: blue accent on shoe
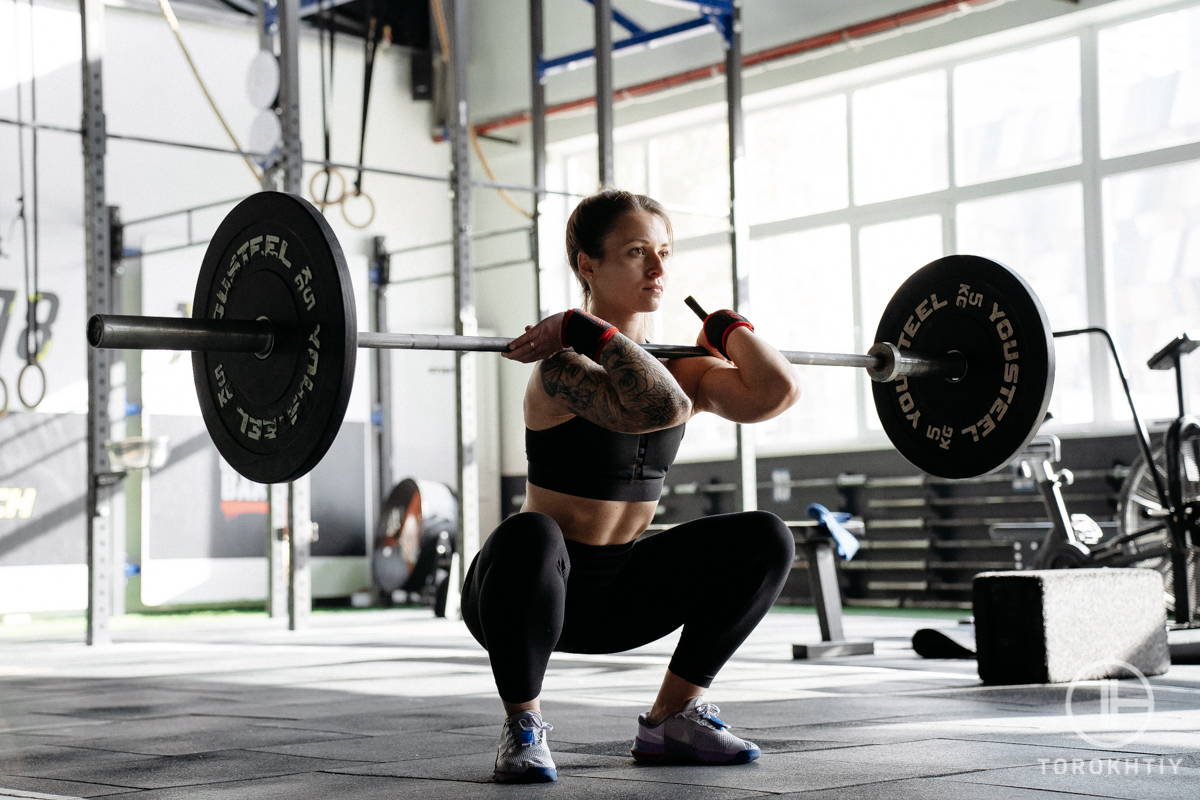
746, 756
531, 775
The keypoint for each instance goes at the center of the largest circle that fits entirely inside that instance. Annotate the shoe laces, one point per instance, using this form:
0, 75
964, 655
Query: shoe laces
707, 712
531, 727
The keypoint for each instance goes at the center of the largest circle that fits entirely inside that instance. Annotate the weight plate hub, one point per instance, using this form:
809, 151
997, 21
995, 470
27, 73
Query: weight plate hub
976, 424
273, 417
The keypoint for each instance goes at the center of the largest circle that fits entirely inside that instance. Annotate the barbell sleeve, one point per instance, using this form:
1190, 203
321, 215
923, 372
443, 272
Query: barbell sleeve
884, 362
119, 332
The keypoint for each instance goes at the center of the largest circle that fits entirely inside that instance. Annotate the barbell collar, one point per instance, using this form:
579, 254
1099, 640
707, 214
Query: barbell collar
891, 363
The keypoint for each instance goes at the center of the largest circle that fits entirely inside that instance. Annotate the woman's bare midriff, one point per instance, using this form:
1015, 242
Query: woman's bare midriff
588, 521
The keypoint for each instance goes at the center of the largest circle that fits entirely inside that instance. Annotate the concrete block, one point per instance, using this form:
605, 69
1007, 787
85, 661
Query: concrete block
1055, 626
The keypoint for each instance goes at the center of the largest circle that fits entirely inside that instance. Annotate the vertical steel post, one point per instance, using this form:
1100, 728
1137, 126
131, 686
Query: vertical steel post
266, 42
739, 233
537, 123
276, 550
604, 90
289, 94
381, 377
300, 538
99, 301
136, 486
299, 511
464, 303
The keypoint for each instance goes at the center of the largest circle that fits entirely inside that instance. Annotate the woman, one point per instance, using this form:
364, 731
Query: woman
603, 423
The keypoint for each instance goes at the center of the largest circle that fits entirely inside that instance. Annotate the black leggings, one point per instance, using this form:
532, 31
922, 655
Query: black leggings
529, 591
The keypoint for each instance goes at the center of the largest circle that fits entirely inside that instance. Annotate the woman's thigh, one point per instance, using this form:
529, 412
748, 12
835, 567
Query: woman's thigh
669, 577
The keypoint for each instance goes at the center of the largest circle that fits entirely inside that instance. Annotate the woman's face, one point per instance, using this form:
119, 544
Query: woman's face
632, 272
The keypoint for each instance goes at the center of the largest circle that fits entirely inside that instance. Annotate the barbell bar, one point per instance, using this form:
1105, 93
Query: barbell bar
962, 370
114, 331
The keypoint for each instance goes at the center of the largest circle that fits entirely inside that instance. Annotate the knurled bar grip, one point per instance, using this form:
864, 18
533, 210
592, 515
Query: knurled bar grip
256, 336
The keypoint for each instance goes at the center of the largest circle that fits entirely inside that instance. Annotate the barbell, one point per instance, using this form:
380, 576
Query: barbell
963, 366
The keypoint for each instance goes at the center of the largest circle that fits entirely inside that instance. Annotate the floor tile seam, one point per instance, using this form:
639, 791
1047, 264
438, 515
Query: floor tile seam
864, 720
85, 747
342, 734
355, 735
218, 782
407, 777
319, 758
965, 772
71, 780
752, 792
1055, 791
1021, 744
98, 720
188, 753
57, 774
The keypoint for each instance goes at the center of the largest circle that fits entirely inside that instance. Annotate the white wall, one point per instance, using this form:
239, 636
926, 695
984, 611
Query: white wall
149, 91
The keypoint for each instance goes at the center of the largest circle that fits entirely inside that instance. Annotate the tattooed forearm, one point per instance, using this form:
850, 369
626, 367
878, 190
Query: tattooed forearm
633, 392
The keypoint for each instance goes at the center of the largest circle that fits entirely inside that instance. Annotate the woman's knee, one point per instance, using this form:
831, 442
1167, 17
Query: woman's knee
528, 538
768, 536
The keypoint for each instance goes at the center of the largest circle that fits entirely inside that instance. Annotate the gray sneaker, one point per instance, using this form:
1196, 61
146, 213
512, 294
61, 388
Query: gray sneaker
695, 735
524, 754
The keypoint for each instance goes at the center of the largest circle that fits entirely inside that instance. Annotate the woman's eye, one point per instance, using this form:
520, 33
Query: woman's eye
637, 251
664, 255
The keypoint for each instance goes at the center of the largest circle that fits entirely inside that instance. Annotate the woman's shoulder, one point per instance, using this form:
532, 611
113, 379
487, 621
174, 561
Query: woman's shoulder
542, 411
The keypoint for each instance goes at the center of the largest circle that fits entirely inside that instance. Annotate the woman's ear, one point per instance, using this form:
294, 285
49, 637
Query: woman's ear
587, 266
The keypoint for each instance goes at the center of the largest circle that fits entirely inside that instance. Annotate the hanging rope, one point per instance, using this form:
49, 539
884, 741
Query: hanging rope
439, 17
325, 29
33, 293
371, 39
173, 23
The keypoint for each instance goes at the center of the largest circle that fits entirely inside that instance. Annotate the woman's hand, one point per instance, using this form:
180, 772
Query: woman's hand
702, 341
538, 341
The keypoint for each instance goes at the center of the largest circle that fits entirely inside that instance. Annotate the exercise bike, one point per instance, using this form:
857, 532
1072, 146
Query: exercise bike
1158, 524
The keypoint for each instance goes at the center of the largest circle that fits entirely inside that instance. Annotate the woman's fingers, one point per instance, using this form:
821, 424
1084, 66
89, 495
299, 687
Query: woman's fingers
537, 342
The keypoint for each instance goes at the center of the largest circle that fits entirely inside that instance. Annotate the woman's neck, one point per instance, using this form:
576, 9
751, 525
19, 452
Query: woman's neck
631, 323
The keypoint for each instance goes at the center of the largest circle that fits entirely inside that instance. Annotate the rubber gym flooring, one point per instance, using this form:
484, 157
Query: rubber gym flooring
398, 704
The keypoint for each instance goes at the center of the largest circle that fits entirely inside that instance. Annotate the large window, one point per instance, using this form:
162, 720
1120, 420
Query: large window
1152, 249
899, 135
801, 293
1039, 233
1073, 158
1150, 83
1017, 113
888, 253
797, 160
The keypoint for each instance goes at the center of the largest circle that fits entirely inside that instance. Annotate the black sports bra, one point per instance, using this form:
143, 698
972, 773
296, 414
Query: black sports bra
582, 459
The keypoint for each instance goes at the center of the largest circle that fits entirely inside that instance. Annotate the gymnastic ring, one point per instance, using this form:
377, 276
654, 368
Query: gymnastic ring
370, 217
312, 187
21, 385
4, 394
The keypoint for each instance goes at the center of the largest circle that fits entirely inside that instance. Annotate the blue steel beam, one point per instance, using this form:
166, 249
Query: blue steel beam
719, 7
307, 9
310, 7
624, 21
553, 66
